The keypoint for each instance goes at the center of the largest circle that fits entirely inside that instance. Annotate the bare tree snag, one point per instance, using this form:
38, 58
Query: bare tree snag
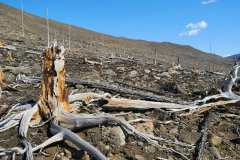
54, 97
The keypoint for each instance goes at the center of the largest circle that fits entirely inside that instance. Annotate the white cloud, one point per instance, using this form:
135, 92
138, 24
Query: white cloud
206, 2
193, 29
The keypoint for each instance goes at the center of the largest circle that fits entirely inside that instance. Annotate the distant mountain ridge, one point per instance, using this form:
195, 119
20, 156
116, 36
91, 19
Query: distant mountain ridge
234, 57
87, 42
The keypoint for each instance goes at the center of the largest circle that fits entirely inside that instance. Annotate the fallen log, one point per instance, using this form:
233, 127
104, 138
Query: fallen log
140, 93
122, 90
107, 102
201, 144
111, 103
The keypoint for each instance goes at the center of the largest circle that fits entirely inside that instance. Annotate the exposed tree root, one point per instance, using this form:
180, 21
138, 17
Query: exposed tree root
75, 139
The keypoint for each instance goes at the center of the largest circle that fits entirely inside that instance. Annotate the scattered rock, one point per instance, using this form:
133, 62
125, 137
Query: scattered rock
79, 86
121, 69
216, 140
147, 71
68, 154
165, 74
133, 74
117, 135
111, 72
174, 130
139, 157
150, 149
86, 156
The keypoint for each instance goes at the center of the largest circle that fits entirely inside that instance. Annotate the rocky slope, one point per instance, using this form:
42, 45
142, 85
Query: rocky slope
91, 43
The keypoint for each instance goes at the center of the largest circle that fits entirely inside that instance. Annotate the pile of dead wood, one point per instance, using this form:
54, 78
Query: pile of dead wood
57, 109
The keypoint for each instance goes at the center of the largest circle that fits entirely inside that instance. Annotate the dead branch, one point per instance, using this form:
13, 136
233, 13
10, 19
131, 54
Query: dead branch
226, 88
200, 147
83, 121
75, 139
206, 107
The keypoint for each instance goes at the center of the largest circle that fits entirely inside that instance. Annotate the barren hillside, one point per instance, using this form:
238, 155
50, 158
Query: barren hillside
88, 42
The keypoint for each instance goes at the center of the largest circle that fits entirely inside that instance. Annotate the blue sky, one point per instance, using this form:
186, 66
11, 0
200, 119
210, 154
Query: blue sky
199, 23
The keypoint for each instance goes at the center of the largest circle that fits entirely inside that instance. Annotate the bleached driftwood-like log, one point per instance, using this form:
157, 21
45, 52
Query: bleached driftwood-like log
226, 90
107, 102
111, 103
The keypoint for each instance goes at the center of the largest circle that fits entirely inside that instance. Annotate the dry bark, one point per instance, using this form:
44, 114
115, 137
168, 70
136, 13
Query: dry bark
2, 77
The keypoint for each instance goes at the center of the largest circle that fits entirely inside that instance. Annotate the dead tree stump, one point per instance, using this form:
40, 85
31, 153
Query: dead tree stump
53, 97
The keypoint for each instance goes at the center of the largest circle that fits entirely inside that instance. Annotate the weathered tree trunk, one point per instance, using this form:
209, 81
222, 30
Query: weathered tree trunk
53, 97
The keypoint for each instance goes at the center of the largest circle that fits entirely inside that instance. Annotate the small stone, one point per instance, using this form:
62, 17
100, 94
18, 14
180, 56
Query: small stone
165, 74
147, 71
86, 156
118, 136
107, 147
174, 130
68, 154
216, 140
79, 86
110, 72
133, 74
121, 69
139, 143
150, 149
